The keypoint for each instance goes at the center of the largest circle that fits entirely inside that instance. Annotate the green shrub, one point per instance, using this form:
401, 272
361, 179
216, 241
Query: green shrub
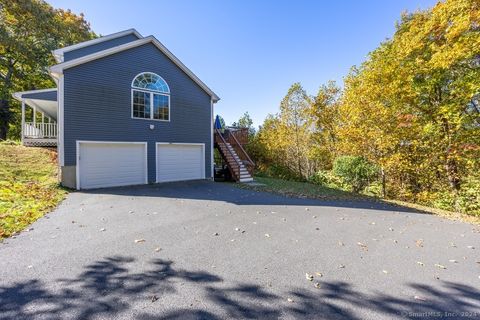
357, 172
468, 198
326, 178
278, 171
10, 142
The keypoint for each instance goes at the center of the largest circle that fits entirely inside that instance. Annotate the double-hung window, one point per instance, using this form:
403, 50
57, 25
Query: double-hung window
150, 97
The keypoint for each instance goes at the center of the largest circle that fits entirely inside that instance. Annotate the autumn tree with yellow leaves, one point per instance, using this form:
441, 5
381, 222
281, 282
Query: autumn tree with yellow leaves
412, 109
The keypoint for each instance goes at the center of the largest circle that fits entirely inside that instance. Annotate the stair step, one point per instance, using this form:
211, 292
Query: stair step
246, 179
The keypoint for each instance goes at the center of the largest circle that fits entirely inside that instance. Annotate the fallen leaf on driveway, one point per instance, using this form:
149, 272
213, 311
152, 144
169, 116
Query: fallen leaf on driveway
419, 243
317, 285
420, 298
440, 266
267, 235
158, 249
391, 229
319, 274
341, 266
290, 300
470, 247
30, 267
216, 234
139, 240
363, 246
307, 209
103, 229
309, 276
131, 211
453, 261
420, 263
237, 229
340, 243
154, 298
385, 271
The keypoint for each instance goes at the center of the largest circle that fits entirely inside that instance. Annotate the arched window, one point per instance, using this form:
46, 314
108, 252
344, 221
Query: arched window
150, 97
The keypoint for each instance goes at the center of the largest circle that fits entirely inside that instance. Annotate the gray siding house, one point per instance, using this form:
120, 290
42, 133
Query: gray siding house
125, 111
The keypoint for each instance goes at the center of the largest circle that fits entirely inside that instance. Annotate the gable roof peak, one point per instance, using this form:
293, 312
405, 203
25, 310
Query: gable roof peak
57, 70
58, 53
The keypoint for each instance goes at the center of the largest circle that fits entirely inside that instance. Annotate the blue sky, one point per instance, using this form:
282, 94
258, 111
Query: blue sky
250, 52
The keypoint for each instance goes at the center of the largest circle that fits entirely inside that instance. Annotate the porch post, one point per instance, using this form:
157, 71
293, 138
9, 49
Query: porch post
34, 116
23, 119
43, 117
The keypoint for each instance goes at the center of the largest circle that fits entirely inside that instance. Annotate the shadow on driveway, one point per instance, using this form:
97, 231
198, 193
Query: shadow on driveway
107, 288
226, 192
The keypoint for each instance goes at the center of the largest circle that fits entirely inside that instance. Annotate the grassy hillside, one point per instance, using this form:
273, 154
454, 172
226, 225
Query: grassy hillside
28, 186
314, 191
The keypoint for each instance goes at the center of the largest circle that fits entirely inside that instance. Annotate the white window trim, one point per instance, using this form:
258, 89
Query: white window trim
151, 105
168, 87
182, 144
77, 169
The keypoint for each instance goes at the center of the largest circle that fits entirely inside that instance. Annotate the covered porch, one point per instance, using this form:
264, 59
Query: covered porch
39, 117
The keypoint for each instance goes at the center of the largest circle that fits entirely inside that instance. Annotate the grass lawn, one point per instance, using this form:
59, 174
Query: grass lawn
28, 186
310, 190
304, 189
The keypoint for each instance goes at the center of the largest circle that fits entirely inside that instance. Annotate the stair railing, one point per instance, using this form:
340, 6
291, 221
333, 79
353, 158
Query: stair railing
237, 173
246, 158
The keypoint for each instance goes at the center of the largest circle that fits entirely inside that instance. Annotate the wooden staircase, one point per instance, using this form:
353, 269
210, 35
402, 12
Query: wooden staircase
238, 162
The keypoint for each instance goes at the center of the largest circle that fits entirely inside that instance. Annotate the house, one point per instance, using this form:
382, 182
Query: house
126, 111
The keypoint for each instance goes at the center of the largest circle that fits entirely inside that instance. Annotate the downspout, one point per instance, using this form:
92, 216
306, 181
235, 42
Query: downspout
23, 119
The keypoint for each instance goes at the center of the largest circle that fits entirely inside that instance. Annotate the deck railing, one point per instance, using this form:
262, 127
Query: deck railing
240, 134
39, 130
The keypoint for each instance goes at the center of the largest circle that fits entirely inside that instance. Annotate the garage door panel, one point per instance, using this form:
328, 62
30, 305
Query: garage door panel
180, 162
111, 164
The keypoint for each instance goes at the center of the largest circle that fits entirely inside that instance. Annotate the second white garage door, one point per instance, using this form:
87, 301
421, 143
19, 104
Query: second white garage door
177, 162
111, 164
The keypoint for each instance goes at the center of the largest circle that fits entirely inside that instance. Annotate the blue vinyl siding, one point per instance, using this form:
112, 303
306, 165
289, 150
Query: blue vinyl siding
69, 55
97, 105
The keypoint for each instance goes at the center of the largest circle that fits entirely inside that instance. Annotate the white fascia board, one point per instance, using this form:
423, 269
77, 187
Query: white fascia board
58, 53
18, 95
58, 68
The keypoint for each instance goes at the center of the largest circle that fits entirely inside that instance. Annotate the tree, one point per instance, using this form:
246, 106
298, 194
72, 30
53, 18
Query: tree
411, 106
245, 121
29, 31
325, 117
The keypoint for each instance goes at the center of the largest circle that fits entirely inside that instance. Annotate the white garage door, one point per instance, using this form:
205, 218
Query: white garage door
177, 162
110, 164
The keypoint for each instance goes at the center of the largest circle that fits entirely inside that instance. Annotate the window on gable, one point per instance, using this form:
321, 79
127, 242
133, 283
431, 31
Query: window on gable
150, 97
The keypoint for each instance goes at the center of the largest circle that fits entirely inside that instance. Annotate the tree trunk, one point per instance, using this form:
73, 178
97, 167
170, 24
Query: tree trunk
384, 190
452, 173
4, 118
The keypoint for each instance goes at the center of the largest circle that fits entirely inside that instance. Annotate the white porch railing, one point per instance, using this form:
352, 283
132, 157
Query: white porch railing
39, 130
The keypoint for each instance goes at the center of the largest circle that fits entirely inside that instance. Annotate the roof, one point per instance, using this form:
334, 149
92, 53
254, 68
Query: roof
58, 53
45, 100
42, 94
57, 69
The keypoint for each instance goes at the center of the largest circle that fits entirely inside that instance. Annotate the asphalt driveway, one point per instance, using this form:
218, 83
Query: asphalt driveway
205, 250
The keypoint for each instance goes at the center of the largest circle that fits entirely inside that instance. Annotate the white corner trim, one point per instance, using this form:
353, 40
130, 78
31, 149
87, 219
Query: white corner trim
58, 68
58, 53
212, 122
77, 168
60, 121
18, 95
